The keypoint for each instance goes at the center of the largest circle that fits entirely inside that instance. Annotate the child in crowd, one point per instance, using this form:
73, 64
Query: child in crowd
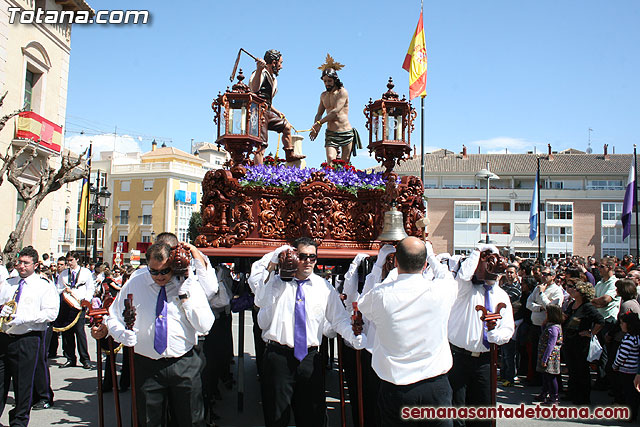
626, 364
549, 355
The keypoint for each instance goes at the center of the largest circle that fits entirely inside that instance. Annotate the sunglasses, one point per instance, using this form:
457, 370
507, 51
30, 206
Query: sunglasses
310, 257
545, 274
159, 272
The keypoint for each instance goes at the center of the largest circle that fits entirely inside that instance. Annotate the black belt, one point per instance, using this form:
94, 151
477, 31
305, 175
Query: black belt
28, 334
457, 349
277, 345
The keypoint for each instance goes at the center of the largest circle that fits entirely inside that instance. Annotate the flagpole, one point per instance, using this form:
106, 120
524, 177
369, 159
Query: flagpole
635, 197
539, 201
86, 211
422, 140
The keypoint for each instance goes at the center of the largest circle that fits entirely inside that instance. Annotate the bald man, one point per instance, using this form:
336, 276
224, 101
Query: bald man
412, 365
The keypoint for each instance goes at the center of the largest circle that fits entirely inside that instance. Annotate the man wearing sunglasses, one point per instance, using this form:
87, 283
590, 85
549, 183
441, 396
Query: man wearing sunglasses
22, 339
547, 292
292, 315
469, 337
607, 302
171, 311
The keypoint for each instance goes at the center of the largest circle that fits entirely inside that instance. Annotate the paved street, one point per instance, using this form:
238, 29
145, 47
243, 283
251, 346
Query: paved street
76, 402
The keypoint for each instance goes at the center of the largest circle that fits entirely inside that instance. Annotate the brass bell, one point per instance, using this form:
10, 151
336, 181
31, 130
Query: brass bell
393, 229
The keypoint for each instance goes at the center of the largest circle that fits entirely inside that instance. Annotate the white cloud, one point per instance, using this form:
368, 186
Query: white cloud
499, 144
104, 142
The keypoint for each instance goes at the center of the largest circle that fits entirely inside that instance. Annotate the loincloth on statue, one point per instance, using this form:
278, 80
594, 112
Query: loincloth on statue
342, 139
273, 122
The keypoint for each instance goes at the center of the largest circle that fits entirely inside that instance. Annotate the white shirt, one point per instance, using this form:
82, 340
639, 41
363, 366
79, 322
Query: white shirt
84, 288
277, 298
465, 327
373, 279
38, 305
4, 274
206, 275
410, 315
538, 301
185, 320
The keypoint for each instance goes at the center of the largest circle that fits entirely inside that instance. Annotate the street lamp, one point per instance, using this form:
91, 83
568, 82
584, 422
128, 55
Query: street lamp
488, 175
101, 200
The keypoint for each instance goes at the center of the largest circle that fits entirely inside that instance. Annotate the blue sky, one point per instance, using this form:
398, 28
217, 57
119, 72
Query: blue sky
501, 73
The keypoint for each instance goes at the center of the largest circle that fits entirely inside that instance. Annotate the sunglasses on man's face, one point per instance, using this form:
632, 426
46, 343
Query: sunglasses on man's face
310, 257
545, 274
159, 272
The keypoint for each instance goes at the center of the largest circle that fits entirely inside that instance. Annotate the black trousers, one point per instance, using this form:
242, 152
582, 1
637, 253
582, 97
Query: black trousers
291, 384
434, 392
370, 386
69, 338
42, 381
125, 374
18, 356
576, 350
258, 343
172, 382
218, 352
470, 379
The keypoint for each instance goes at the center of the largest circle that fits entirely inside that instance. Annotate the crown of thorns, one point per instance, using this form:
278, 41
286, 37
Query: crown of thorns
331, 63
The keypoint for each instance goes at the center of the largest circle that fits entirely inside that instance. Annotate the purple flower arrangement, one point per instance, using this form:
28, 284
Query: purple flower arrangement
290, 178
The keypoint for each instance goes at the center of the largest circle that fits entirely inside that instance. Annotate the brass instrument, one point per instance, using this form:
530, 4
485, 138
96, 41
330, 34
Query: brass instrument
4, 320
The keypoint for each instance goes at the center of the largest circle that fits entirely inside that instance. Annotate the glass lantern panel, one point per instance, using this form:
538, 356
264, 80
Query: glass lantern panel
392, 126
399, 129
254, 118
376, 124
237, 124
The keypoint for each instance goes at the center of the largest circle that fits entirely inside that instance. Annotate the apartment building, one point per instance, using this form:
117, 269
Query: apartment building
34, 72
150, 193
581, 201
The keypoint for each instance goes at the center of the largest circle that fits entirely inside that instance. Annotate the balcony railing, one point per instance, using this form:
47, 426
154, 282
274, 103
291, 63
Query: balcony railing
124, 246
45, 133
159, 167
143, 246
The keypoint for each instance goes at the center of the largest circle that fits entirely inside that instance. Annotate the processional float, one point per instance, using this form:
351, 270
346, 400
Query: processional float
240, 223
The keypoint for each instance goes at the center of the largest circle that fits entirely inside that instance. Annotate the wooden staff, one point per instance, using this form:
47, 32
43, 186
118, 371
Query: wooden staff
491, 319
129, 315
357, 319
100, 395
114, 384
96, 316
343, 417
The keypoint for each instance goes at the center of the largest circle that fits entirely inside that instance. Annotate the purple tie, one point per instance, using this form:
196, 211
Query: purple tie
73, 279
16, 297
300, 325
160, 339
487, 305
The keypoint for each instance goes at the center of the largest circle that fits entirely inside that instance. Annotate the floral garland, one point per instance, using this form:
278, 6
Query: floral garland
343, 175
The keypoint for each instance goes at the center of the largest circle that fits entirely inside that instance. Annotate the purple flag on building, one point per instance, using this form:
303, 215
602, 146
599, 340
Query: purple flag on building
629, 202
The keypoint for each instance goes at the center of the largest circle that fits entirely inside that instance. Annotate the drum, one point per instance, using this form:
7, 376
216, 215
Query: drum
71, 300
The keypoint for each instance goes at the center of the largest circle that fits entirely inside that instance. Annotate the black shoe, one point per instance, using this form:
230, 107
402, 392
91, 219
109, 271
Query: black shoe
69, 364
87, 365
43, 404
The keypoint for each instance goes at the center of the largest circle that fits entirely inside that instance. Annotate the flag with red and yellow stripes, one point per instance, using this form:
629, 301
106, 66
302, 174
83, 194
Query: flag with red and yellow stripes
416, 63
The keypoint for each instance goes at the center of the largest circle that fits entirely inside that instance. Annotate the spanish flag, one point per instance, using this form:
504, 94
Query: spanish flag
84, 198
416, 63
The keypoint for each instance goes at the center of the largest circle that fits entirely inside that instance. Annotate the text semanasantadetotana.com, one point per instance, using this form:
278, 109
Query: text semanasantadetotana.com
518, 412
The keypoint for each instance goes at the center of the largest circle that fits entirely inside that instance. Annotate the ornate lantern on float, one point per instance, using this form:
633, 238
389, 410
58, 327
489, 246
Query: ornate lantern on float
239, 114
390, 123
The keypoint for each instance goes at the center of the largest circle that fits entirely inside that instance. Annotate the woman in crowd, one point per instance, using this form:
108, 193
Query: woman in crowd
582, 321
